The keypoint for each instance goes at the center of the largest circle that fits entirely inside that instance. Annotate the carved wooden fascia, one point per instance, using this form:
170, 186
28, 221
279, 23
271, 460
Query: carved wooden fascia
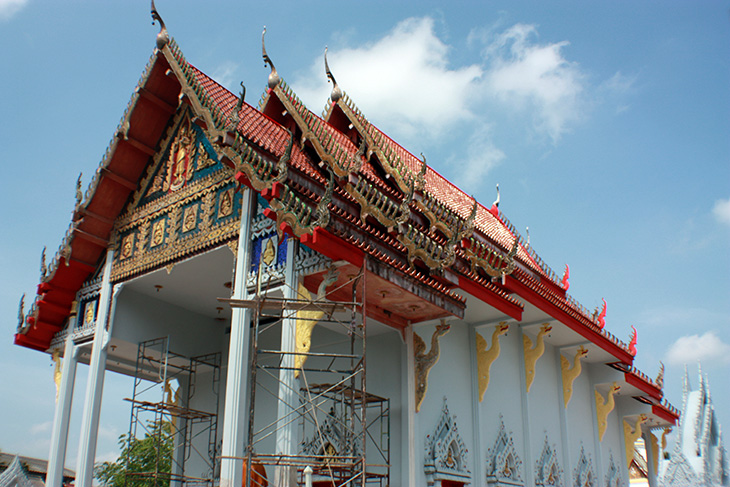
424, 247
261, 172
604, 408
445, 220
299, 215
372, 201
378, 144
212, 117
491, 260
318, 133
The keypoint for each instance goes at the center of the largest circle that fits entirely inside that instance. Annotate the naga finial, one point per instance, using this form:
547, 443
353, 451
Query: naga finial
234, 117
44, 268
162, 37
274, 77
660, 377
336, 90
564, 282
421, 177
21, 311
79, 193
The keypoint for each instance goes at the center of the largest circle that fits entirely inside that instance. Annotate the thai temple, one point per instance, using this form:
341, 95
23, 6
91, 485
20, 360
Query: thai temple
699, 457
304, 302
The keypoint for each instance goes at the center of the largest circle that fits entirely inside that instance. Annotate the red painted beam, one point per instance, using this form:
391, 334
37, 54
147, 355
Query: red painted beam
664, 413
533, 297
637, 382
494, 300
335, 248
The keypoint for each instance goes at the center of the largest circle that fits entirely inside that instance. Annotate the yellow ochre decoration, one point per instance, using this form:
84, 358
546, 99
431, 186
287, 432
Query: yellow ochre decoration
654, 453
533, 354
57, 374
485, 357
306, 319
631, 434
604, 408
425, 361
571, 373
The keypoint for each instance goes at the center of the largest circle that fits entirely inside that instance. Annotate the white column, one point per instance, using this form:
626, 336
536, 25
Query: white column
408, 450
650, 460
59, 435
95, 385
285, 434
235, 410
525, 403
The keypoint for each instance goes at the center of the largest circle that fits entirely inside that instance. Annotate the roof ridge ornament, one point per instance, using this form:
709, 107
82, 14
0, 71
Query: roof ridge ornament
336, 94
494, 210
234, 119
274, 77
162, 37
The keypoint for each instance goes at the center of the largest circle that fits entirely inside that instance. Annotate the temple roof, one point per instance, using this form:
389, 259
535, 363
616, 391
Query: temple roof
409, 217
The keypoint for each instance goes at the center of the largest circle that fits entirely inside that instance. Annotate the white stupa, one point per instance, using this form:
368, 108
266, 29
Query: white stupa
698, 458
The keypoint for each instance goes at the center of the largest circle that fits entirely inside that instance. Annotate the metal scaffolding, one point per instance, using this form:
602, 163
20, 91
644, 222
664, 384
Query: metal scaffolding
337, 422
192, 432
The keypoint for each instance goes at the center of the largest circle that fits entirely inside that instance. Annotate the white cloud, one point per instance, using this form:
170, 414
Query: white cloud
535, 77
41, 428
8, 8
481, 156
721, 210
224, 74
403, 80
706, 348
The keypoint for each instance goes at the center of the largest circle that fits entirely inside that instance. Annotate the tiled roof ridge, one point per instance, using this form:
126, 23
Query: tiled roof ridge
567, 306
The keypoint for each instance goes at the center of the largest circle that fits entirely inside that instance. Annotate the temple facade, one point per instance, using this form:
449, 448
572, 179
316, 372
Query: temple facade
300, 294
698, 457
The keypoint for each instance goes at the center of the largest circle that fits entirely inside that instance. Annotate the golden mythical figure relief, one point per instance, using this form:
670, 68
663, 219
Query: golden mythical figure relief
90, 313
158, 233
180, 163
225, 206
486, 357
190, 218
571, 373
533, 354
425, 361
604, 408
128, 246
631, 434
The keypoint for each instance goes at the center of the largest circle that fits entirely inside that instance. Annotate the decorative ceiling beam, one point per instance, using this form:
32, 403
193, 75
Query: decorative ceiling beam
132, 186
92, 239
156, 100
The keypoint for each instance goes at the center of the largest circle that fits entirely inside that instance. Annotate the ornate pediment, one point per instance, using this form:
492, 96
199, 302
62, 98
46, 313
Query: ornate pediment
503, 463
680, 473
446, 453
185, 204
331, 438
583, 475
547, 467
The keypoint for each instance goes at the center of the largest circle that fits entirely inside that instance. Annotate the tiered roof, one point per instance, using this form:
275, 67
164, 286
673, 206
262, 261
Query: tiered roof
350, 193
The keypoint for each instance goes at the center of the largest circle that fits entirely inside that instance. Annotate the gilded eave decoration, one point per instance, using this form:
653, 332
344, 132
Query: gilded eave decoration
185, 204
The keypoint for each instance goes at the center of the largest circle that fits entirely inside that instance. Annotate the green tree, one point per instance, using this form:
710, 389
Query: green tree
142, 462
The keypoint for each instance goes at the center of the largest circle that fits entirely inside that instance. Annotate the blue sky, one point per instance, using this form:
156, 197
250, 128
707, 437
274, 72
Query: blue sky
605, 124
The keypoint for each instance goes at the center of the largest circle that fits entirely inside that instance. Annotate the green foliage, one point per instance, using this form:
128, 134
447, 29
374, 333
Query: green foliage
142, 462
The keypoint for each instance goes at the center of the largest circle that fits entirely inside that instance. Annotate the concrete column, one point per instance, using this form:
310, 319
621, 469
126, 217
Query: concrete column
409, 413
59, 435
650, 460
286, 424
95, 385
235, 409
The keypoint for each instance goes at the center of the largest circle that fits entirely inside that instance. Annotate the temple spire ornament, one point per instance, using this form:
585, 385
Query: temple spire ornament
79, 193
162, 37
600, 317
274, 77
336, 90
494, 210
632, 343
564, 283
234, 118
44, 267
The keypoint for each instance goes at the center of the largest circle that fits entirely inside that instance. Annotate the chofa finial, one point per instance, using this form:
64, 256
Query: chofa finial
162, 37
79, 193
273, 76
336, 90
44, 268
21, 311
234, 118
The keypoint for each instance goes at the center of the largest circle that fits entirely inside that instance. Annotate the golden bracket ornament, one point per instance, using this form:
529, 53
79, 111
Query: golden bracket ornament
486, 357
533, 354
57, 373
571, 373
425, 361
307, 319
604, 408
631, 434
